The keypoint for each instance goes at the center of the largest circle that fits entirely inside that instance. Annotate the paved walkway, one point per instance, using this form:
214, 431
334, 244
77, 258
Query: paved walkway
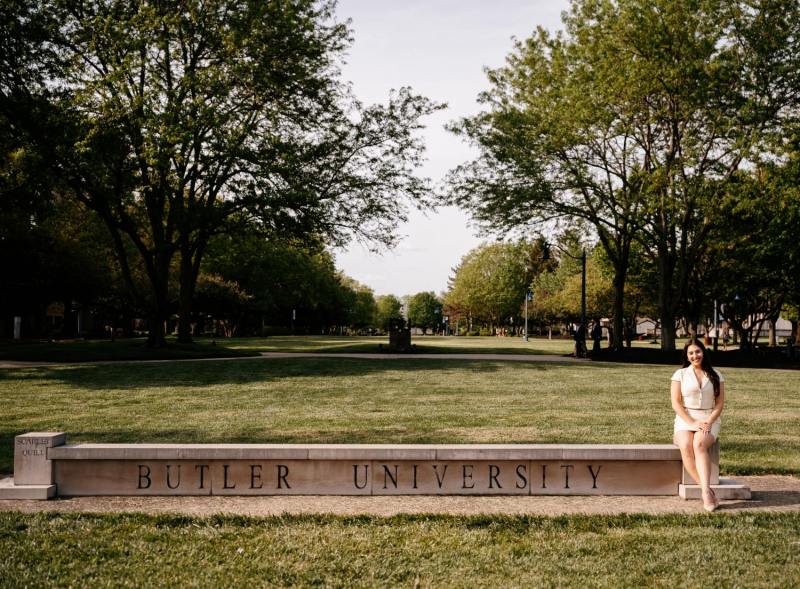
770, 494
262, 355
508, 357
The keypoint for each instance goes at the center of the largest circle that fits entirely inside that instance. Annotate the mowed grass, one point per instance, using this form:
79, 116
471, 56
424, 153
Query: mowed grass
60, 550
341, 400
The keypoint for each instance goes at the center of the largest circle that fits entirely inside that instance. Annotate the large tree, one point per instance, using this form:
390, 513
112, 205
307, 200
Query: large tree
490, 283
425, 311
176, 117
283, 279
752, 265
633, 119
388, 307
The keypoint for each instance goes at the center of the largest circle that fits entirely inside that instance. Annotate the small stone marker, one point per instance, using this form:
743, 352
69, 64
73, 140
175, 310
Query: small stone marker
33, 469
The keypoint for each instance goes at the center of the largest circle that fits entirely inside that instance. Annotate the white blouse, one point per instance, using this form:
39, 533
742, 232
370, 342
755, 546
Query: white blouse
694, 395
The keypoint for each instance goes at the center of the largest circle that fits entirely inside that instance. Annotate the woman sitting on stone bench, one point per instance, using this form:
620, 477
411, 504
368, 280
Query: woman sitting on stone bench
698, 395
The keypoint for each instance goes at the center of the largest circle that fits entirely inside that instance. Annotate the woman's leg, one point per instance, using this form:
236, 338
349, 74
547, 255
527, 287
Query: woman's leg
684, 441
701, 444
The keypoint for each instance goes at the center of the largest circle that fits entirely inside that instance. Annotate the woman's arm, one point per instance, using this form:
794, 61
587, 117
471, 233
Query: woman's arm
718, 405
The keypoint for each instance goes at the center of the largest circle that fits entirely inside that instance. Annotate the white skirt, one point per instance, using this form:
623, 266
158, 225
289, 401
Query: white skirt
700, 415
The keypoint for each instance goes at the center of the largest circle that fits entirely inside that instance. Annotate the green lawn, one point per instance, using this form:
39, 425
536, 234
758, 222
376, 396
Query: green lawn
350, 400
318, 400
61, 550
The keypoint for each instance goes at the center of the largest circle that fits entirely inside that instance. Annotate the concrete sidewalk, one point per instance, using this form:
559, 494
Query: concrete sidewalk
387, 356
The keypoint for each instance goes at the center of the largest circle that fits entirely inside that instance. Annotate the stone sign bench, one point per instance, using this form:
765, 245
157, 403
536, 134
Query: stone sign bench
45, 466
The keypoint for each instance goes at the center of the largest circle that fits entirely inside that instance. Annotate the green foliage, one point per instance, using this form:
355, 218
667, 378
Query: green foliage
222, 299
53, 254
281, 276
358, 303
171, 119
633, 119
753, 253
490, 283
388, 307
425, 311
557, 294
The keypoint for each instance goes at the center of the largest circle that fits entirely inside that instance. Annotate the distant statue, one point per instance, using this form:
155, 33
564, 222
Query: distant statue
399, 336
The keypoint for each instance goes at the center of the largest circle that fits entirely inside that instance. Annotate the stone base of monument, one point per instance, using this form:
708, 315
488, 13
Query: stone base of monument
45, 466
8, 490
726, 489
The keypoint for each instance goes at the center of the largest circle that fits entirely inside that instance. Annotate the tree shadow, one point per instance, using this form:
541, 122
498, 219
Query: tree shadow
764, 500
245, 371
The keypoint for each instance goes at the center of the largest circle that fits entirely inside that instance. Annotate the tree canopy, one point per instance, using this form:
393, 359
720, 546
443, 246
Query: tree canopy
175, 121
388, 307
490, 283
425, 311
633, 119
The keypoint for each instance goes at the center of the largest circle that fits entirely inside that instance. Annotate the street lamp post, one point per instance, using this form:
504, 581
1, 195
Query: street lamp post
583, 294
528, 297
716, 326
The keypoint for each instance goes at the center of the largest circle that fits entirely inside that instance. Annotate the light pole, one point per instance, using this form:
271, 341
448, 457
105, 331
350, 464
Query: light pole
716, 326
583, 294
528, 297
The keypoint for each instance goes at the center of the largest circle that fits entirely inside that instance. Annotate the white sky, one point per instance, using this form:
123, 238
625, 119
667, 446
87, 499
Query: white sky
439, 48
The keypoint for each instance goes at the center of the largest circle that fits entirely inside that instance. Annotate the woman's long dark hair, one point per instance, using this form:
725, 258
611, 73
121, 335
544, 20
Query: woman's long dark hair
705, 364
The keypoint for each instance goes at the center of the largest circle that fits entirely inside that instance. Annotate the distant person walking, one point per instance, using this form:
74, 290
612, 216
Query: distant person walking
698, 396
597, 335
580, 341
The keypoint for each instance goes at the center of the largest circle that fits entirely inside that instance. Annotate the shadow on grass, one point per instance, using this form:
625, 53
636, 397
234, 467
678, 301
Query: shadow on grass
106, 350
774, 358
120, 376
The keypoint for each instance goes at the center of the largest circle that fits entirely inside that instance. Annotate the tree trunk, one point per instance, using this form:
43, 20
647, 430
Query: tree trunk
156, 335
773, 340
666, 317
189, 271
619, 307
159, 314
188, 282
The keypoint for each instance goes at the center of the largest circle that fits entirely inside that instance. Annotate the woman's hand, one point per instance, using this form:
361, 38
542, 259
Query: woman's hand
703, 426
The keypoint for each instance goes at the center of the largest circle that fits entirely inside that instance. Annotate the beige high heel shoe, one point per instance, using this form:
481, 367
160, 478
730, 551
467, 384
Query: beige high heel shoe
713, 504
714, 497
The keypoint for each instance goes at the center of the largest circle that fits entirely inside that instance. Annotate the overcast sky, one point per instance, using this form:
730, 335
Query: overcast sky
439, 48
